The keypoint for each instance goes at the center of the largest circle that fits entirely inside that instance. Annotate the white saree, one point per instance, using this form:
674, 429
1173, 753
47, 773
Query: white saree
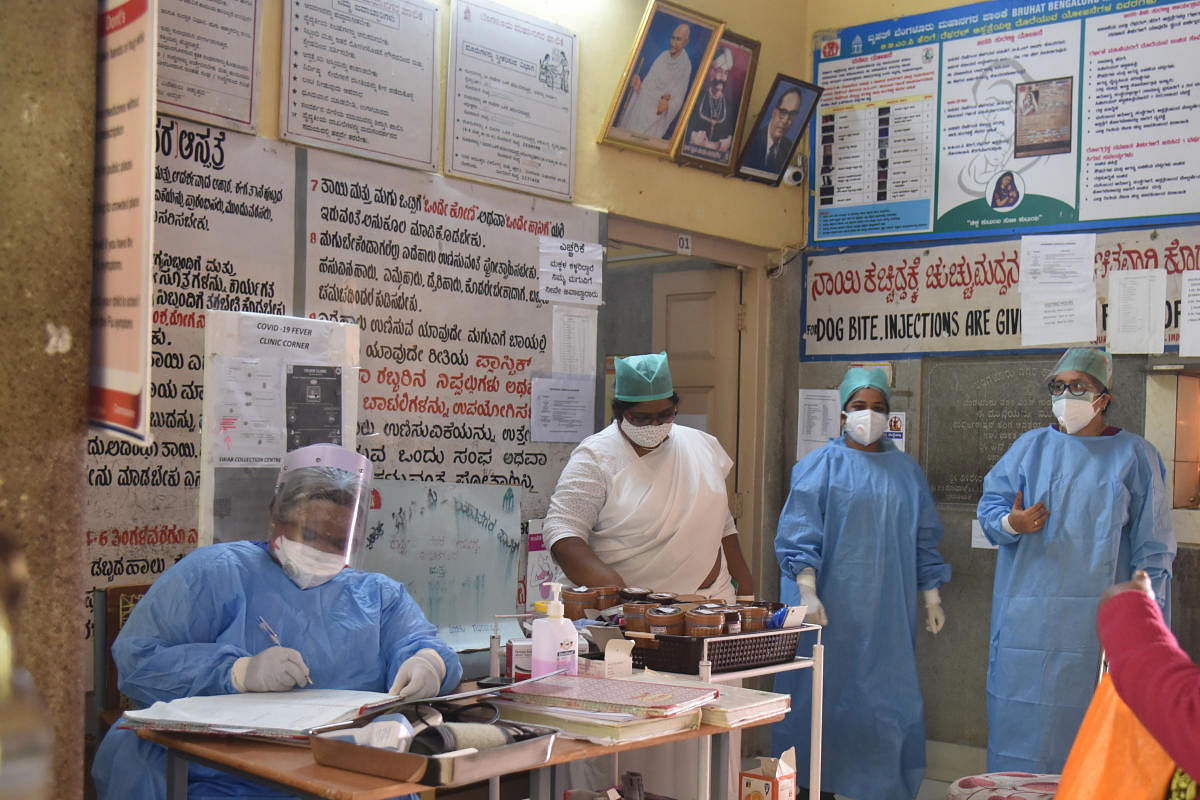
657, 519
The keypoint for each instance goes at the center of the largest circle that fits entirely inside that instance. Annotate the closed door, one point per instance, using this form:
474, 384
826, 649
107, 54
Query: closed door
696, 321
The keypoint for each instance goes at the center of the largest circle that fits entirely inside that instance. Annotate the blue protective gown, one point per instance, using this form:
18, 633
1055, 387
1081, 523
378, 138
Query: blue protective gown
202, 614
867, 523
1108, 515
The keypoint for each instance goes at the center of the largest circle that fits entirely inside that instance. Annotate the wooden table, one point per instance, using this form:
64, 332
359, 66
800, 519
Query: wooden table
292, 768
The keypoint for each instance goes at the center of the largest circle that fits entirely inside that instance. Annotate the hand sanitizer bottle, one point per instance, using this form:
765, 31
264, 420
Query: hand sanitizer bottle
555, 640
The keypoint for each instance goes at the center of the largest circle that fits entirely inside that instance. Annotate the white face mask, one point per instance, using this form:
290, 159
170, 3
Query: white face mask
650, 436
306, 566
1074, 413
865, 426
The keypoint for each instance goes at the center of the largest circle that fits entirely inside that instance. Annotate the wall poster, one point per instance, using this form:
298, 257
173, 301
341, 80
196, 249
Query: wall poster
512, 89
361, 77
207, 60
1002, 117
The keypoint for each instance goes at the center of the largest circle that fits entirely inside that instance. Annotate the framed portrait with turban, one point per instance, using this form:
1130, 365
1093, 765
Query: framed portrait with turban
661, 79
712, 135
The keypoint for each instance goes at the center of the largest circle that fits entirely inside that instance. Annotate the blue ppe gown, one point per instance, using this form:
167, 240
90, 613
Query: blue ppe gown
1109, 514
202, 614
866, 522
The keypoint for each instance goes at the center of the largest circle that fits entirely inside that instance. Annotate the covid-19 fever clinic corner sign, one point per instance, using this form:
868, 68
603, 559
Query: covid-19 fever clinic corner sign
910, 302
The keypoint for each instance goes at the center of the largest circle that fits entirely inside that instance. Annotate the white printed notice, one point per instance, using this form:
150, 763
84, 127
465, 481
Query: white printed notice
1137, 304
569, 271
272, 384
563, 409
119, 383
206, 60
1140, 125
455, 547
818, 419
512, 94
1058, 295
360, 76
1189, 329
574, 340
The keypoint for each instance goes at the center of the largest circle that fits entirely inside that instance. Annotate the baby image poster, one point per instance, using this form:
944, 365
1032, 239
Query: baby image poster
456, 548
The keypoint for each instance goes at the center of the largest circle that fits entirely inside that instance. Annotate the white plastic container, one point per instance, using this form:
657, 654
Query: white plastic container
555, 640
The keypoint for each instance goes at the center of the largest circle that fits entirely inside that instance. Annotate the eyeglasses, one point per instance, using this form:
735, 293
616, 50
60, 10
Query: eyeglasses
787, 113
661, 418
1077, 387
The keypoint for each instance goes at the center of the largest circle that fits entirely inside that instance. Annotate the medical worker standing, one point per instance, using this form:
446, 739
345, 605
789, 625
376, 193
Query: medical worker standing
856, 542
197, 630
1074, 507
643, 502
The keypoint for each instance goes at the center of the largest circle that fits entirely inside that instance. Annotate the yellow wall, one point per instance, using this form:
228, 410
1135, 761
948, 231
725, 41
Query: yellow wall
627, 182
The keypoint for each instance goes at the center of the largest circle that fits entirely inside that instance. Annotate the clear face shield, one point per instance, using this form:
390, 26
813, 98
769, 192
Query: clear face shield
319, 513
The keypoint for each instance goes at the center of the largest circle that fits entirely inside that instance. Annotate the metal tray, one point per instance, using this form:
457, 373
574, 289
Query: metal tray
450, 769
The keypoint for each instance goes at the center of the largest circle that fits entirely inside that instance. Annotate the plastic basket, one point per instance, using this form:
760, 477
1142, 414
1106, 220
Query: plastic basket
726, 653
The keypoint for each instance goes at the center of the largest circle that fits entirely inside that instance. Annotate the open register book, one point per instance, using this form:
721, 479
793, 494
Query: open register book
637, 698
734, 706
598, 726
270, 714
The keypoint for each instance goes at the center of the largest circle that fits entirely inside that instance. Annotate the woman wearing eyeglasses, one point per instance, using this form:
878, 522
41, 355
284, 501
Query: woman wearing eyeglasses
1073, 507
643, 502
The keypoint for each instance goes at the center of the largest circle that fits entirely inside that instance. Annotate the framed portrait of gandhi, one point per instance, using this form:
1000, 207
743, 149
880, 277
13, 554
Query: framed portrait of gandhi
712, 134
661, 79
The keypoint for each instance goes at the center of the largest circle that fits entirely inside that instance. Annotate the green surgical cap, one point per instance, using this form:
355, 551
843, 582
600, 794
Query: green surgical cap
642, 378
1088, 360
858, 377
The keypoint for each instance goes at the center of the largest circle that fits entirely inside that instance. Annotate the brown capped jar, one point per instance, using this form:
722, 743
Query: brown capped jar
665, 619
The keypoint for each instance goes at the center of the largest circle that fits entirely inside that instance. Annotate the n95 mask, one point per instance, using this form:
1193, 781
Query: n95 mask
865, 426
1073, 414
306, 566
650, 436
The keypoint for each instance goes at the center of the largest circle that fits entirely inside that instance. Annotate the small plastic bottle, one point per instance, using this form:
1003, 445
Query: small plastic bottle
555, 640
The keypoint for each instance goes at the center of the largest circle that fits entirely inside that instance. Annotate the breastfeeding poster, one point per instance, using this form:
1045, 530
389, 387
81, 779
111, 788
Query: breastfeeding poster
1005, 117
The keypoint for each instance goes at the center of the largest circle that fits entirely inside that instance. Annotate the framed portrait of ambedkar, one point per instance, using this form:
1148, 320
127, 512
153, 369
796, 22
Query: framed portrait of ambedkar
661, 79
768, 147
712, 135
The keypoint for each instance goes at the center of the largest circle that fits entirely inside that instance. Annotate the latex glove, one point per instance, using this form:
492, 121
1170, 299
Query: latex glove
806, 582
935, 617
276, 669
419, 676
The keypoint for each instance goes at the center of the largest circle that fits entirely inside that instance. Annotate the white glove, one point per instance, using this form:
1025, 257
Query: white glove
935, 617
419, 676
276, 669
806, 582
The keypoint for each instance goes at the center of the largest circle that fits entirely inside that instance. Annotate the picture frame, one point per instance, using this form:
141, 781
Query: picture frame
670, 56
768, 147
713, 134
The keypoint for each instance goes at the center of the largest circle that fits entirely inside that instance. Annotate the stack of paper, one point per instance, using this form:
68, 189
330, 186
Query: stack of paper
598, 726
637, 698
735, 705
274, 714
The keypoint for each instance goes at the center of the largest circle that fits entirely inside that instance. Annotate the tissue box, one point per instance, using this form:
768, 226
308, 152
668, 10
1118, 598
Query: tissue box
518, 659
615, 663
775, 779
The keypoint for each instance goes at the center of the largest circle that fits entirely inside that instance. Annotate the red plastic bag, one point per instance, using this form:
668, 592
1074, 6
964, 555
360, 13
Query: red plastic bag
1114, 755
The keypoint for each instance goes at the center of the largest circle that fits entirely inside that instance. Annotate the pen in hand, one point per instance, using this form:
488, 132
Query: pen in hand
274, 637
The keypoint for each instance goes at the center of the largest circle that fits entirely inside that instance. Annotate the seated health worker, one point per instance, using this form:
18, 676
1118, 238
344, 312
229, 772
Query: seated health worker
1073, 507
857, 540
643, 502
197, 630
